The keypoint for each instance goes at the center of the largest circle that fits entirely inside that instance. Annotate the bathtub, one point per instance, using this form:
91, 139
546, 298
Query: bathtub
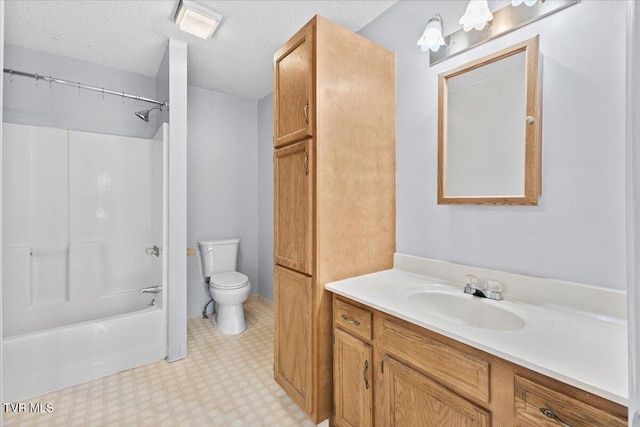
40, 362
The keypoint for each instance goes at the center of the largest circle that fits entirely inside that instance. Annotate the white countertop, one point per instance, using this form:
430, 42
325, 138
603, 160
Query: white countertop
588, 351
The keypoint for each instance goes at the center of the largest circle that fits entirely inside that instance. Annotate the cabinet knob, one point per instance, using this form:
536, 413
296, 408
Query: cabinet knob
306, 112
552, 415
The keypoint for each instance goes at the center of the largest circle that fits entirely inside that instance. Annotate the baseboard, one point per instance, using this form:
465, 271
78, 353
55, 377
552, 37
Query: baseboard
260, 299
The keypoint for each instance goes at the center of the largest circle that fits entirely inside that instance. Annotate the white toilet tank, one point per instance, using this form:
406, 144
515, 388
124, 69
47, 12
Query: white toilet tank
218, 256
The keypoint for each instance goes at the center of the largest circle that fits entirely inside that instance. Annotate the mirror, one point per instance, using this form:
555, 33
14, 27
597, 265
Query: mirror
489, 130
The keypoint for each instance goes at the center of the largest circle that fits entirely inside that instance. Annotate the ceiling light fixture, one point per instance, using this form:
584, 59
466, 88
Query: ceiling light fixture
432, 36
476, 16
196, 19
529, 3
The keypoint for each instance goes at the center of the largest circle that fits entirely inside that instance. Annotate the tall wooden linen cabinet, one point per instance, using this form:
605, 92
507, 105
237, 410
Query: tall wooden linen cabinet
334, 192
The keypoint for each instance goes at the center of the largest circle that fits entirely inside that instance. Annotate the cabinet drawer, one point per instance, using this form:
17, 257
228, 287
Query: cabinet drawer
462, 372
537, 405
352, 319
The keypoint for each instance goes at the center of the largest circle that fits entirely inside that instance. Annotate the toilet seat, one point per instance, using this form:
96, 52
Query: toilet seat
228, 280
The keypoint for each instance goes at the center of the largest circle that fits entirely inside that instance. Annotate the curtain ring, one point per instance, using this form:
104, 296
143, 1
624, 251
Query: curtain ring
103, 93
50, 79
123, 97
78, 88
11, 75
36, 76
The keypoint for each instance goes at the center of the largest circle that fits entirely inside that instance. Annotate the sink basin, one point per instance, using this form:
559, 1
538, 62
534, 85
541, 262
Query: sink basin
466, 310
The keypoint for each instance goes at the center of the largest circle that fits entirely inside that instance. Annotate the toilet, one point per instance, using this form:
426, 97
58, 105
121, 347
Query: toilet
229, 288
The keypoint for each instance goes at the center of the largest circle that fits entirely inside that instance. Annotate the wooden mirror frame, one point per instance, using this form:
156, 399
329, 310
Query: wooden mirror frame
532, 167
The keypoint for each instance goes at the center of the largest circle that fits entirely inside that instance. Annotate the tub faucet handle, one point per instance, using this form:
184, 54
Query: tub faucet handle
150, 290
154, 250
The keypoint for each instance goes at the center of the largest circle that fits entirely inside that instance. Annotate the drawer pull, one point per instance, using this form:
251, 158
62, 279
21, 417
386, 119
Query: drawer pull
552, 415
350, 320
364, 374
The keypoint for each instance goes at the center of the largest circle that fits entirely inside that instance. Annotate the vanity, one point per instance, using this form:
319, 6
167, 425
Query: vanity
412, 349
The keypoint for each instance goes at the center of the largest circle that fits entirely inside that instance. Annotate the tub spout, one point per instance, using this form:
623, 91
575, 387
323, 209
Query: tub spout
150, 290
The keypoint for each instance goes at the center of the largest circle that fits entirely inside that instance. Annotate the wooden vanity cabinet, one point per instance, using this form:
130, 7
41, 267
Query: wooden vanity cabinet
293, 92
423, 379
414, 399
539, 405
293, 206
353, 384
352, 365
293, 338
334, 197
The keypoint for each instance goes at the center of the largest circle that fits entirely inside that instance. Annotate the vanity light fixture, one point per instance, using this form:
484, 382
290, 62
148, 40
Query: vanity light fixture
432, 36
196, 19
476, 16
529, 3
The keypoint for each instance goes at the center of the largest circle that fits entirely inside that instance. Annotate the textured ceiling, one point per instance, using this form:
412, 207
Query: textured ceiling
131, 35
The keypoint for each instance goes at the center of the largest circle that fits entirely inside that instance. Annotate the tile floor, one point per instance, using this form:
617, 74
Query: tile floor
225, 381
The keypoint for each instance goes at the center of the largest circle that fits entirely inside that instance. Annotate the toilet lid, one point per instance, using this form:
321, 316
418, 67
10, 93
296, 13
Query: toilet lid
228, 280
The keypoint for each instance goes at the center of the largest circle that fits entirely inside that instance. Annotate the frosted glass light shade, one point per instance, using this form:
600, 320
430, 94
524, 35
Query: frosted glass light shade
476, 16
529, 3
432, 36
195, 19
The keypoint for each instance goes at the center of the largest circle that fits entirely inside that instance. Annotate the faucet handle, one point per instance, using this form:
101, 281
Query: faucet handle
471, 281
494, 285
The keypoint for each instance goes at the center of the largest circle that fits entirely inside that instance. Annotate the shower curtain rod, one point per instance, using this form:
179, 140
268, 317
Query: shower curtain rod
79, 85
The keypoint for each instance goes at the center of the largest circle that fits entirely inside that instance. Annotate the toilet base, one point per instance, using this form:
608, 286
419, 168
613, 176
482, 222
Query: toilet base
229, 319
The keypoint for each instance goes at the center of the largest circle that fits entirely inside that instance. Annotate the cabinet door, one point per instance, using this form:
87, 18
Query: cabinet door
412, 399
352, 381
293, 338
293, 91
293, 207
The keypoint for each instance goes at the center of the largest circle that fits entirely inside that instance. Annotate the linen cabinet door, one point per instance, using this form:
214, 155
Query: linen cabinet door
293, 335
293, 207
352, 381
293, 91
412, 399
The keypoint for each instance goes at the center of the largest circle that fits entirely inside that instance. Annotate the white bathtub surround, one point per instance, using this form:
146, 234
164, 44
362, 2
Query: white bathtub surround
574, 333
80, 210
237, 390
41, 362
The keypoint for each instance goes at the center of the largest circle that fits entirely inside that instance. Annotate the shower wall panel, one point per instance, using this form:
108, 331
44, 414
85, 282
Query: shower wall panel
77, 217
110, 204
50, 216
16, 163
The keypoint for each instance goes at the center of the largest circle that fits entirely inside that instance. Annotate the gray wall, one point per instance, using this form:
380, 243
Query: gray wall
577, 232
177, 204
222, 199
633, 211
62, 107
162, 91
1, 113
265, 196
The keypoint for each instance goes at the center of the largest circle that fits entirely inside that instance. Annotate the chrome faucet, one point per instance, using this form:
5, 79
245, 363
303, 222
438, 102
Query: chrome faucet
491, 289
150, 290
